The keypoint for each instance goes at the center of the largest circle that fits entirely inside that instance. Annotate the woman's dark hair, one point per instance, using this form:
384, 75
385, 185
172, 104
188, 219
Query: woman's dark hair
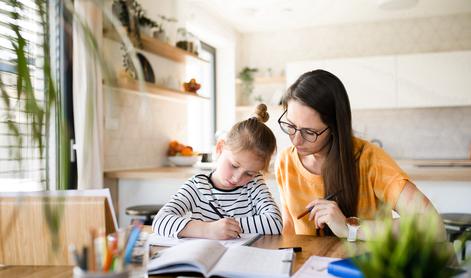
325, 93
252, 134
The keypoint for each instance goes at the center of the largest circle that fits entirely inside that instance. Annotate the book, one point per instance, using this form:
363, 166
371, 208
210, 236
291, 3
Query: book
344, 268
211, 258
245, 239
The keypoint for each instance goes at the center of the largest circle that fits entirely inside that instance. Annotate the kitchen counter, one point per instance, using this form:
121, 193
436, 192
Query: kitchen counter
155, 173
418, 170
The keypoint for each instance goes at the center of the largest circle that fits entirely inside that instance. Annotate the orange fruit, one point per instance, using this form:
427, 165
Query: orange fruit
187, 151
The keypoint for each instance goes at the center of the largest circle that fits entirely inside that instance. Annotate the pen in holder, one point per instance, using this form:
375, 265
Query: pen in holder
123, 254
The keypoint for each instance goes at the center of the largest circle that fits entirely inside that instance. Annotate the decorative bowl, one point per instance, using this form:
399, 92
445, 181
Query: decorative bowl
184, 160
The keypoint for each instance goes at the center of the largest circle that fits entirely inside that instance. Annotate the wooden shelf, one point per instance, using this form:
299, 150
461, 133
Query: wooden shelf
155, 90
158, 47
267, 80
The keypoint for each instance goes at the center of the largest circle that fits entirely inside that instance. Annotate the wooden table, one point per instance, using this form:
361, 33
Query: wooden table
311, 245
320, 246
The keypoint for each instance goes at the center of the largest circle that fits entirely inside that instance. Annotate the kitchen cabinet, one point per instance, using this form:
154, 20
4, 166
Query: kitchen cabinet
434, 79
369, 81
399, 81
161, 49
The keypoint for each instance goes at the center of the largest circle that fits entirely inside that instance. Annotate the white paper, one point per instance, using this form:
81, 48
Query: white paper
315, 266
245, 239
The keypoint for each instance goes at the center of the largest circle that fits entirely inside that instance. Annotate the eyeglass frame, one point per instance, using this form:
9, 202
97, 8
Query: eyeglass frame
296, 129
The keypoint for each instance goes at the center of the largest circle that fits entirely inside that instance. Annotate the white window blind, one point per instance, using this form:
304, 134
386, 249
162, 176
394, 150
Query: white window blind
21, 168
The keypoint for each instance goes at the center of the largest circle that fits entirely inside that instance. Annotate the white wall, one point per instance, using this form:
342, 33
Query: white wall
432, 34
447, 196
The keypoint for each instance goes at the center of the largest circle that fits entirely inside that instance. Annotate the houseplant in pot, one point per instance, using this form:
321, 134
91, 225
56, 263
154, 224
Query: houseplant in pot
414, 248
246, 77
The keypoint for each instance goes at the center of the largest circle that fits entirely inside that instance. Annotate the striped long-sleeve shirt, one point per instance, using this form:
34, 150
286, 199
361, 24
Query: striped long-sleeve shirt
251, 205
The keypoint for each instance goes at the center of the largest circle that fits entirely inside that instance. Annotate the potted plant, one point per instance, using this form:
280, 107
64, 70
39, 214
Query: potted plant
246, 77
416, 249
159, 32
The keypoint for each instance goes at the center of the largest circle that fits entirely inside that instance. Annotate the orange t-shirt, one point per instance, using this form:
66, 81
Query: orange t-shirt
381, 181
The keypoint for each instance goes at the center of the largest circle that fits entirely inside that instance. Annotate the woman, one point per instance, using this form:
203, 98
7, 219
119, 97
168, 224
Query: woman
327, 160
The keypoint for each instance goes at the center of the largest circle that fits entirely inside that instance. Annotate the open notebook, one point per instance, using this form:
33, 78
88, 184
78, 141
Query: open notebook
244, 239
211, 258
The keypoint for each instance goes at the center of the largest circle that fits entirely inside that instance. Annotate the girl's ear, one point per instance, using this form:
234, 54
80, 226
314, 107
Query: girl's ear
219, 146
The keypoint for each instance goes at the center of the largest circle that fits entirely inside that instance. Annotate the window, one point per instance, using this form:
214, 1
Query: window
209, 53
201, 121
21, 167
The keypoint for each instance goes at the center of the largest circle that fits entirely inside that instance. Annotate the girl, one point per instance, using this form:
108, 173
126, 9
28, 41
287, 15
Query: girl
327, 160
234, 198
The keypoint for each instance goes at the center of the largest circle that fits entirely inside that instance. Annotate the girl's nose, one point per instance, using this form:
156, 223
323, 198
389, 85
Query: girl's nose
236, 177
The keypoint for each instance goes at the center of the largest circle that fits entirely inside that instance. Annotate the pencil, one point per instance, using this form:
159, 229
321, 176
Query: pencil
308, 210
217, 212
215, 209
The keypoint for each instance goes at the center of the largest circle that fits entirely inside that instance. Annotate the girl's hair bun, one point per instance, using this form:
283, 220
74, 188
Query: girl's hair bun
261, 113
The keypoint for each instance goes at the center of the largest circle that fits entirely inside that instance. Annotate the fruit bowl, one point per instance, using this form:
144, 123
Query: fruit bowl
182, 161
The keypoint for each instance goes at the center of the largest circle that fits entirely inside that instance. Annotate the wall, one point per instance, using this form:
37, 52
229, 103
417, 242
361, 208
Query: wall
406, 133
138, 127
423, 133
432, 34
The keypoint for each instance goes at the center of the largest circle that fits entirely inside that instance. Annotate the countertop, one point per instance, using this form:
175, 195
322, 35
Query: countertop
418, 170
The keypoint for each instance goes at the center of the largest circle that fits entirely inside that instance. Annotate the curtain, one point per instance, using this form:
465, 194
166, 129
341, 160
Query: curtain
88, 98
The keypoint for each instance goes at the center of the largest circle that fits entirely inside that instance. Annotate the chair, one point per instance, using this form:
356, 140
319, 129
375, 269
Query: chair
147, 211
456, 225
25, 236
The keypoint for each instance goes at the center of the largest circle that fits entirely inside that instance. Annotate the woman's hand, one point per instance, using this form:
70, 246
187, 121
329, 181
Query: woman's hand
328, 212
225, 228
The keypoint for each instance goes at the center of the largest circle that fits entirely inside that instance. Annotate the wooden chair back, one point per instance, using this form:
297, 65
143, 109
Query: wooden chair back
26, 237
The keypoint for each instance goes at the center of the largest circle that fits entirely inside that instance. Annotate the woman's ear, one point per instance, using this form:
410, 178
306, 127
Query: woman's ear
219, 146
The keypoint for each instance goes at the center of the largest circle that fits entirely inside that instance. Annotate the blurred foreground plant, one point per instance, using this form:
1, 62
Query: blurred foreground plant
415, 250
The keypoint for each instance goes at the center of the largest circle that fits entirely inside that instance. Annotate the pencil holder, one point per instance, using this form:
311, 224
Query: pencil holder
79, 273
140, 257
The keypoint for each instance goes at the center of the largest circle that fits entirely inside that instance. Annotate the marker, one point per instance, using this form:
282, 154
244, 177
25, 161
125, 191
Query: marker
133, 236
296, 249
75, 255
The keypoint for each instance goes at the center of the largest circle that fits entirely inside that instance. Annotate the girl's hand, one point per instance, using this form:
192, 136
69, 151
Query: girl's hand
328, 212
226, 228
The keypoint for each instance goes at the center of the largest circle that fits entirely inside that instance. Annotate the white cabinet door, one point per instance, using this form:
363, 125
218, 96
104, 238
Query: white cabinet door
434, 79
369, 81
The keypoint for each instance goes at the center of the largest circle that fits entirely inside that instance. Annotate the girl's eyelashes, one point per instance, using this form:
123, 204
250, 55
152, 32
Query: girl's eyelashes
251, 174
235, 166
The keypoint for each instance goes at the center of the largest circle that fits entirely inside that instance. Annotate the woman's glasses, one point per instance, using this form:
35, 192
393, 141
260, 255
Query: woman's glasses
308, 134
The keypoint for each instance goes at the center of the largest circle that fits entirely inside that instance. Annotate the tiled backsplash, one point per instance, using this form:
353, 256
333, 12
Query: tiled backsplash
142, 133
420, 133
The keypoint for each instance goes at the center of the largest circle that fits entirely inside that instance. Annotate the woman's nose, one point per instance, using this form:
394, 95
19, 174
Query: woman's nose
297, 139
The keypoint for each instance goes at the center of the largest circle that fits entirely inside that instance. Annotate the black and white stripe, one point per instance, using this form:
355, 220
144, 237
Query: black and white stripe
251, 205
